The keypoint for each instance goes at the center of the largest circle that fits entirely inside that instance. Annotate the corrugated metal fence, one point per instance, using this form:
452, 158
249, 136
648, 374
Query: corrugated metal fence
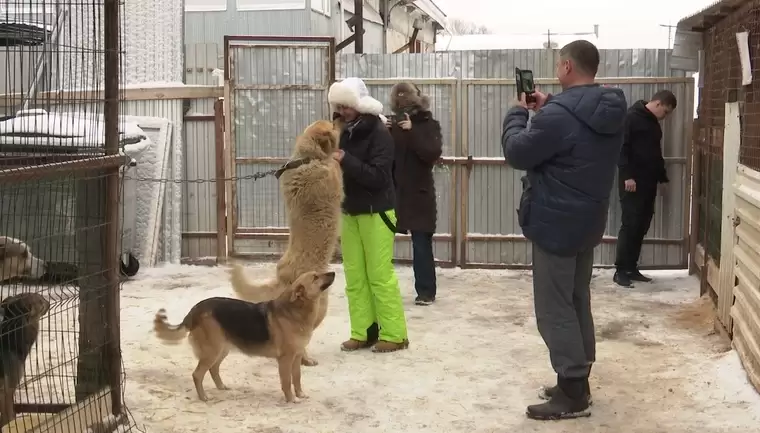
276, 88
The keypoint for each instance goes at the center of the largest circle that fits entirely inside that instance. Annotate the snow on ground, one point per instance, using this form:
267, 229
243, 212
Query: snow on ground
475, 362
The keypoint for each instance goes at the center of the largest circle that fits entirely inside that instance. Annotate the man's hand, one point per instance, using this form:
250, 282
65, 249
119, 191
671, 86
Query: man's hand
406, 124
540, 99
630, 185
388, 122
523, 102
662, 189
338, 155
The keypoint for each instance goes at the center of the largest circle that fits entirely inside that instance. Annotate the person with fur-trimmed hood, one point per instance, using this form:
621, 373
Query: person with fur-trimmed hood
419, 145
367, 237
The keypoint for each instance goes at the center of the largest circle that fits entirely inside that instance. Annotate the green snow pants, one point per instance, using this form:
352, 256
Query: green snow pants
371, 285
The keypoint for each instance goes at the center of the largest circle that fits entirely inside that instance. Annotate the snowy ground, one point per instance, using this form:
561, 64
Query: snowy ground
475, 362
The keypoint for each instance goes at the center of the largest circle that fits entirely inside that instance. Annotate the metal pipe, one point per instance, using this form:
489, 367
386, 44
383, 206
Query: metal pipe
40, 67
342, 20
112, 262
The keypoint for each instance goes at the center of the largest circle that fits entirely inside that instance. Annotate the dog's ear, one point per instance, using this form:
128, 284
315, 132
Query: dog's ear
299, 292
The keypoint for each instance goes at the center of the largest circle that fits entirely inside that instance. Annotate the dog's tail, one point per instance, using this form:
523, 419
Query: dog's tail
166, 332
252, 291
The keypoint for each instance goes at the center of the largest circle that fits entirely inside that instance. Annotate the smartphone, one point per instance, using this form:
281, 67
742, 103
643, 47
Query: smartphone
525, 84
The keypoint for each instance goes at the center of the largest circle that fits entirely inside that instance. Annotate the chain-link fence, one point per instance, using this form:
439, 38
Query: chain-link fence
61, 207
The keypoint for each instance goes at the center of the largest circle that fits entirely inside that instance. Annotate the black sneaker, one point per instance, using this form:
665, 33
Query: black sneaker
622, 278
637, 276
424, 300
569, 400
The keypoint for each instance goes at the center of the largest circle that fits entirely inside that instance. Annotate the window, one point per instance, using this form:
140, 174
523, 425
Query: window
322, 6
205, 5
270, 5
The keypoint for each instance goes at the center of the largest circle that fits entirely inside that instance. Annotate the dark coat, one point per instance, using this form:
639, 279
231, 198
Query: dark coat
417, 151
641, 157
367, 167
570, 153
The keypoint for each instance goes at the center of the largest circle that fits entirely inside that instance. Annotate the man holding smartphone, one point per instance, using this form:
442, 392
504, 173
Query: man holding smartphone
569, 154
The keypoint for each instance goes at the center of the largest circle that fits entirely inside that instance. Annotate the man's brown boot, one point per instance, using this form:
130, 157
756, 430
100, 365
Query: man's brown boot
383, 346
351, 345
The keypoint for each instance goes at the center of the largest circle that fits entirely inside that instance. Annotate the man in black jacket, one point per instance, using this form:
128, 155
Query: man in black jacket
640, 170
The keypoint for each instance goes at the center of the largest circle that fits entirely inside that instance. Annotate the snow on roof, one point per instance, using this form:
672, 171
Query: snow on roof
77, 129
433, 11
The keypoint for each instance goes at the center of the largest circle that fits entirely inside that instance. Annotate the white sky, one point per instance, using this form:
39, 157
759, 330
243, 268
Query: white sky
622, 23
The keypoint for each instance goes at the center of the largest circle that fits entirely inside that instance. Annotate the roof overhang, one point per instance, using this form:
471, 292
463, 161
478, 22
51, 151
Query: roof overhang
709, 16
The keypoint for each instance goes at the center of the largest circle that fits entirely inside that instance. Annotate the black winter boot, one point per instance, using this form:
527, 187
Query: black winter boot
546, 393
622, 279
569, 399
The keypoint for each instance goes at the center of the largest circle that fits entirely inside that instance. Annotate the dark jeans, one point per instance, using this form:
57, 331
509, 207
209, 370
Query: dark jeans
423, 264
562, 297
637, 211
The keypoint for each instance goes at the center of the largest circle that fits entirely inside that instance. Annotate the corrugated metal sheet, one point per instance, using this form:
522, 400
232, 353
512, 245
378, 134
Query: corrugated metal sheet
471, 112
745, 311
199, 199
205, 31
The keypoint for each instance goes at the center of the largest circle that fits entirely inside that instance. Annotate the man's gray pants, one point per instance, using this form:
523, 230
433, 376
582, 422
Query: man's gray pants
562, 298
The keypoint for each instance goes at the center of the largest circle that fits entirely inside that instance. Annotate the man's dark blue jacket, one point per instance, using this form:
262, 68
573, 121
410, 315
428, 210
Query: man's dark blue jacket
570, 153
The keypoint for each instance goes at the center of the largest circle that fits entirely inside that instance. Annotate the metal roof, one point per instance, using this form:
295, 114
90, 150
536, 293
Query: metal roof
718, 9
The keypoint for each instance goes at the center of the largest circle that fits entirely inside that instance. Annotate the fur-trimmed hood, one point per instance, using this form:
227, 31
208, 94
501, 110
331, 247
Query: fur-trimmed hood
353, 93
408, 97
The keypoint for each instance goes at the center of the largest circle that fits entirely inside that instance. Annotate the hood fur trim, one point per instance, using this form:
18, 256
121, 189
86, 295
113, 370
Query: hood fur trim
409, 96
352, 92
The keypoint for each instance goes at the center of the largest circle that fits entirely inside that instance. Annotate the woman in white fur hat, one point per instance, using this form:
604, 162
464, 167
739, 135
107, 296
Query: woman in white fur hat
368, 228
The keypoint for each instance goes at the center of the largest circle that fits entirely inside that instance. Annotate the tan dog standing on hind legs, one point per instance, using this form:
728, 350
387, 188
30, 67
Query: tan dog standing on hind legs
280, 329
313, 192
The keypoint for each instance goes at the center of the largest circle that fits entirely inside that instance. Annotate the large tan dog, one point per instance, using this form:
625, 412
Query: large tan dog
279, 329
313, 194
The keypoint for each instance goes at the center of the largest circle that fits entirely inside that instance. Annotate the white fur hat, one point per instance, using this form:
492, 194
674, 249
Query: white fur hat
352, 92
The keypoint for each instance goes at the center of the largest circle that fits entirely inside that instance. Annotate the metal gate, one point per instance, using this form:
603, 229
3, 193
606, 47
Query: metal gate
276, 86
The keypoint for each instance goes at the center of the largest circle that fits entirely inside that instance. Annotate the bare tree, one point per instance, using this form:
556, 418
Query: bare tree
462, 27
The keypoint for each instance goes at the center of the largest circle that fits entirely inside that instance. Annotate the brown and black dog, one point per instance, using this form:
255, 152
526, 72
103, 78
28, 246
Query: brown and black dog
19, 326
280, 329
313, 193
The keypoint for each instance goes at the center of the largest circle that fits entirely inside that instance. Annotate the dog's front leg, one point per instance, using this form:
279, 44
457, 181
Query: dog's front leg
297, 376
307, 360
285, 367
8, 412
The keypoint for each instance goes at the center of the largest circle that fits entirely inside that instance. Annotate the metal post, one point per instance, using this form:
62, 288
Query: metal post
359, 26
111, 44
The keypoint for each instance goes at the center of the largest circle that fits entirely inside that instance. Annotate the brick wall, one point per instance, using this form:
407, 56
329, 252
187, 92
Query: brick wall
722, 78
722, 83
